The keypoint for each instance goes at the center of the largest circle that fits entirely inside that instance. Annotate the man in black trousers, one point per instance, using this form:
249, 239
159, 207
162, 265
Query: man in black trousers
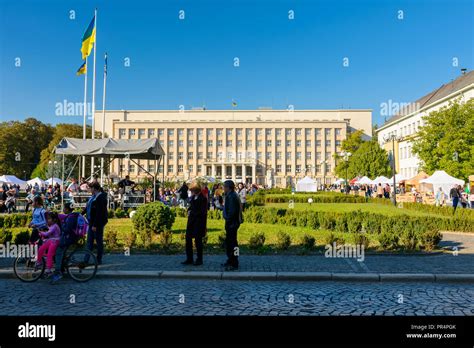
233, 218
96, 212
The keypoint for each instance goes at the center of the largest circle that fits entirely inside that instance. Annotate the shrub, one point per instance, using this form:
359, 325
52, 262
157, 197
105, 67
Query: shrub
153, 218
110, 214
221, 238
283, 240
120, 213
166, 239
361, 239
308, 242
22, 238
5, 236
340, 224
430, 239
205, 239
388, 240
110, 238
129, 238
256, 241
332, 238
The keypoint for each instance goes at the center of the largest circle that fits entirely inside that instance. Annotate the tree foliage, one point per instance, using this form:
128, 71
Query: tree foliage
446, 141
367, 158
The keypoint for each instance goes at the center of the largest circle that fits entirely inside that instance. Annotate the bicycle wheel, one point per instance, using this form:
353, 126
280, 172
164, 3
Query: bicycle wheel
24, 268
77, 267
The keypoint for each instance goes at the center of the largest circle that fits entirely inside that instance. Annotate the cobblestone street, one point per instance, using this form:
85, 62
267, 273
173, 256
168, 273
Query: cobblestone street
207, 297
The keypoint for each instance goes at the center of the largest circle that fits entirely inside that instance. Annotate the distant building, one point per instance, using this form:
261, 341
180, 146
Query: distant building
406, 123
257, 146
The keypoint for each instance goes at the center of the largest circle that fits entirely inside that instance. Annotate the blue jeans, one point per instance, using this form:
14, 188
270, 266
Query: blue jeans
63, 245
455, 202
98, 236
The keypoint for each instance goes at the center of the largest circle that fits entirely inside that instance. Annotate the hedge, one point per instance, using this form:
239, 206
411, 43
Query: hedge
261, 199
15, 220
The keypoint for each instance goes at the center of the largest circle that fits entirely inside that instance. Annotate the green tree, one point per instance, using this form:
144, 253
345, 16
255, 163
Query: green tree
367, 158
446, 141
21, 146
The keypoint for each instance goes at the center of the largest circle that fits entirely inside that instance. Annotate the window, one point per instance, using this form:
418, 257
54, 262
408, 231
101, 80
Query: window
338, 131
278, 143
318, 168
307, 131
249, 132
259, 155
170, 169
288, 155
209, 143
298, 131
229, 132
191, 168
298, 168
160, 168
131, 132
171, 155
269, 143
308, 155
288, 168
288, 143
298, 155
190, 132
151, 133
200, 142
278, 155
259, 143
318, 131
151, 168
219, 143
122, 133
278, 168
180, 155
200, 155
268, 131
327, 131
209, 155
122, 168
308, 143
278, 131
141, 133
162, 143
268, 155
318, 156
249, 143
239, 143
229, 143
219, 131
200, 132
288, 131
328, 155
131, 168
180, 168
328, 168
170, 132
328, 142
318, 143
161, 132
190, 143
190, 155
209, 132
338, 143
298, 143
239, 131
180, 132
180, 143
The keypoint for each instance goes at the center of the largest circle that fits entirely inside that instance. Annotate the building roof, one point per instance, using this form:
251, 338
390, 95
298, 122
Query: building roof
439, 93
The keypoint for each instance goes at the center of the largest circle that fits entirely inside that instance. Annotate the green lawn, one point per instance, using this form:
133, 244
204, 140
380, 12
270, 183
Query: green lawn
388, 210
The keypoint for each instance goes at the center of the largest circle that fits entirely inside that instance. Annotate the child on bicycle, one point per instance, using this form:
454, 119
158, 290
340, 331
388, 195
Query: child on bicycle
38, 223
50, 244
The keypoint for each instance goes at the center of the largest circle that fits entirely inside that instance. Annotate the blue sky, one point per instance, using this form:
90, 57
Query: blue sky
190, 62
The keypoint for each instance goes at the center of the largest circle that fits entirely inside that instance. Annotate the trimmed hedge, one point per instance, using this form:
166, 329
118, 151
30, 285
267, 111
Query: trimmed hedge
15, 220
303, 198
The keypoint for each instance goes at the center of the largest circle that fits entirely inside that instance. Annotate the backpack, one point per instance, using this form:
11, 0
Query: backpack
82, 226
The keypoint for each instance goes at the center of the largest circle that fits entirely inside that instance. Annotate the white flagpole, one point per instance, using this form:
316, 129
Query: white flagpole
85, 120
103, 120
93, 90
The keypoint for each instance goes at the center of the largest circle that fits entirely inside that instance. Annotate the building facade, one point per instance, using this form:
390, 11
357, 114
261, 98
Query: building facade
266, 147
404, 126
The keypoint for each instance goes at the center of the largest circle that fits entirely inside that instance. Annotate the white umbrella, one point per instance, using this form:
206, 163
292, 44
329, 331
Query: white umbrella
54, 181
36, 180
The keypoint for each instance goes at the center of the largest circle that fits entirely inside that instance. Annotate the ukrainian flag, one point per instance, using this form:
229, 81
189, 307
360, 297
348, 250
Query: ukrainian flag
82, 70
88, 39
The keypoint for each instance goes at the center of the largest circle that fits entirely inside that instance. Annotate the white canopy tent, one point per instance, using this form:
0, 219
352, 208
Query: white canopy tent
36, 180
53, 181
440, 179
380, 180
339, 181
306, 185
12, 179
398, 178
364, 181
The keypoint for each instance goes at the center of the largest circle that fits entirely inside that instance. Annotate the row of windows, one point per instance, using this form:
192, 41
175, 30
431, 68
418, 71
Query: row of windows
268, 155
259, 143
409, 129
229, 131
180, 167
406, 152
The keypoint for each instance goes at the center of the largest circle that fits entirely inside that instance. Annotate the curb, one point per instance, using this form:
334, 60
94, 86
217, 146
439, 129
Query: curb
280, 276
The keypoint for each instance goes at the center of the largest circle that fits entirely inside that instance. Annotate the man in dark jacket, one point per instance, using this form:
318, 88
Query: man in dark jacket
96, 211
455, 194
232, 213
183, 192
197, 225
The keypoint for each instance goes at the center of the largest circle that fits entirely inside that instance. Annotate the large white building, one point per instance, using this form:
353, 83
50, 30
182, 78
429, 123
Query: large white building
405, 124
259, 146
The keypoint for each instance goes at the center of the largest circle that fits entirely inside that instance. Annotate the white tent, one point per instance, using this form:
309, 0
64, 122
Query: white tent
380, 180
398, 178
339, 181
12, 179
364, 181
54, 181
306, 185
440, 179
36, 180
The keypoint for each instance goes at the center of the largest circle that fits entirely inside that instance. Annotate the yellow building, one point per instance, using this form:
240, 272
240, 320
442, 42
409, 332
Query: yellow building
267, 147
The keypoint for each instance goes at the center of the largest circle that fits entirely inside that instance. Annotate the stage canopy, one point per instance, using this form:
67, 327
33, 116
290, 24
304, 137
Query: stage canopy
146, 149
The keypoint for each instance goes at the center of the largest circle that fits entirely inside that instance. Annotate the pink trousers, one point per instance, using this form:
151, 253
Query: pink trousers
48, 247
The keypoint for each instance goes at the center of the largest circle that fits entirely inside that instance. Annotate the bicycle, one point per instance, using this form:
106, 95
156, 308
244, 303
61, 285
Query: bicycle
73, 263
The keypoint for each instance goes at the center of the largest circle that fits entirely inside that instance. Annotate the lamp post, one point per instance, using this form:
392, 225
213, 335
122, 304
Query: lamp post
323, 167
52, 163
346, 156
387, 138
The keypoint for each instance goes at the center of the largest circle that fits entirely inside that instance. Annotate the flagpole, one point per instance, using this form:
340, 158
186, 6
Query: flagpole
103, 120
85, 121
93, 90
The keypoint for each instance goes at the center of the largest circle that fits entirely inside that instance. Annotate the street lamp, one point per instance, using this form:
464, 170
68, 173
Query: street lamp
387, 138
323, 167
52, 171
346, 156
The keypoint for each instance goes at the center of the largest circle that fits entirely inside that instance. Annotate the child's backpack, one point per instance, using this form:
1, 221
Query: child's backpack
81, 227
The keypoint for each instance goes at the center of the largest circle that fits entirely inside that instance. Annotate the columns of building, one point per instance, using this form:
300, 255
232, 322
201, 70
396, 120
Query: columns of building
254, 173
234, 172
